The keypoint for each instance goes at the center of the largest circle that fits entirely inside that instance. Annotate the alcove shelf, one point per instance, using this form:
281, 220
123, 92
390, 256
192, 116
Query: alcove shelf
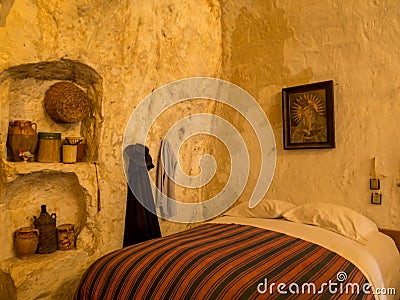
22, 90
70, 190
14, 170
40, 265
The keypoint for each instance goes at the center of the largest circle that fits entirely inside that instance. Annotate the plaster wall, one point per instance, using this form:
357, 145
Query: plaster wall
268, 45
262, 46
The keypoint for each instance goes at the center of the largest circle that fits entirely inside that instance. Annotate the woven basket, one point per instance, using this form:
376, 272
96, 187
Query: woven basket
66, 103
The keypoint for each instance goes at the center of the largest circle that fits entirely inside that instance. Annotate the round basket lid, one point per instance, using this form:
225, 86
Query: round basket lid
66, 103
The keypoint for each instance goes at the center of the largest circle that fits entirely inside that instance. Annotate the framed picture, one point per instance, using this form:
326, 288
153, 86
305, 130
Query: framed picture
308, 120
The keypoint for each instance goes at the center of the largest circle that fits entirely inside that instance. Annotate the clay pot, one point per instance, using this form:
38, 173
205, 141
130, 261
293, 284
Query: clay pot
65, 237
22, 136
26, 240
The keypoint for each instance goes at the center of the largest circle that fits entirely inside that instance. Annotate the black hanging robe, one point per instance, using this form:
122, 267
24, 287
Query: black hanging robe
140, 224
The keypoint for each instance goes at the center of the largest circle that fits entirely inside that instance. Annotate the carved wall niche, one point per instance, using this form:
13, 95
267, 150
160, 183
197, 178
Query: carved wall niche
22, 91
69, 190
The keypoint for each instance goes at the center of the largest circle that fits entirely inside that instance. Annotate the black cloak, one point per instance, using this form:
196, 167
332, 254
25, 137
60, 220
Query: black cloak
140, 223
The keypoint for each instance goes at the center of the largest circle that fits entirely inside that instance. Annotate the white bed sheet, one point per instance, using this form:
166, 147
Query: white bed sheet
378, 260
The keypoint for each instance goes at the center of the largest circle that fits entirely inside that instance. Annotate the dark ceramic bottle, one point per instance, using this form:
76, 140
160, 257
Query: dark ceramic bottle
46, 224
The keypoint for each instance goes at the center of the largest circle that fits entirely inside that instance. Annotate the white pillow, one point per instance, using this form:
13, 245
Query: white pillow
267, 209
340, 219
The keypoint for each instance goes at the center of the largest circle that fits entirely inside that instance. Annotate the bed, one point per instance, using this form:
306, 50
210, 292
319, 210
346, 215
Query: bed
261, 253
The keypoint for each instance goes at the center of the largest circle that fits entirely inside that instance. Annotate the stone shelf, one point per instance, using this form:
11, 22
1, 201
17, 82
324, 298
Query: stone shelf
85, 172
40, 266
16, 169
70, 190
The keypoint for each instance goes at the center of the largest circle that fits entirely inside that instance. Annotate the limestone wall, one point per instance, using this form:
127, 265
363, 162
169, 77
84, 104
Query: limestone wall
262, 46
268, 45
135, 47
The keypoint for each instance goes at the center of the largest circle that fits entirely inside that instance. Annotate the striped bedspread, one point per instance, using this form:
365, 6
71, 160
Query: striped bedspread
223, 261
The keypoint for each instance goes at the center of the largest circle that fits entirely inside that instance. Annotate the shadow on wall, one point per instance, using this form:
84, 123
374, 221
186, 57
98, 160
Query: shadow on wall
5, 8
7, 288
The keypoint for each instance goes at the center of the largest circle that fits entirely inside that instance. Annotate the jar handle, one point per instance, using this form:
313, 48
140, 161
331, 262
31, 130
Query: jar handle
35, 126
37, 232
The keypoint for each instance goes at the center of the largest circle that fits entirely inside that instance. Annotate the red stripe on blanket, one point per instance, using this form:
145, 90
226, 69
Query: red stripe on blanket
222, 261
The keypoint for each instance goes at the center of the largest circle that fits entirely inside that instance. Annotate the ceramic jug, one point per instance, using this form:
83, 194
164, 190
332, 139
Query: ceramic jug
26, 240
22, 140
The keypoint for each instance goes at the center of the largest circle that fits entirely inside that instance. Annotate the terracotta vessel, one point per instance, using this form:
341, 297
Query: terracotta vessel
46, 224
66, 237
26, 240
22, 136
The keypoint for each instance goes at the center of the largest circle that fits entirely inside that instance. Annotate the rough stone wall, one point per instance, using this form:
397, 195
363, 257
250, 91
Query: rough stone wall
135, 46
268, 45
263, 46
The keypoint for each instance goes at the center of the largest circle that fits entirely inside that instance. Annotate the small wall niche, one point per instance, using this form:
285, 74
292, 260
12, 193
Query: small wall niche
59, 191
22, 90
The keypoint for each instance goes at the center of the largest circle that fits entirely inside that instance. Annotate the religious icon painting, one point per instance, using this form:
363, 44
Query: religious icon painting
308, 120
